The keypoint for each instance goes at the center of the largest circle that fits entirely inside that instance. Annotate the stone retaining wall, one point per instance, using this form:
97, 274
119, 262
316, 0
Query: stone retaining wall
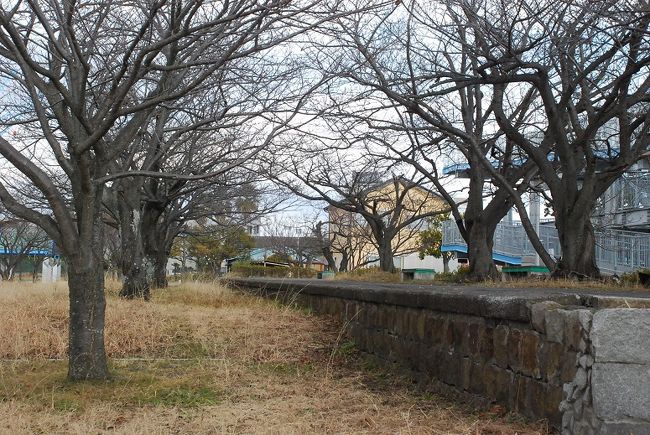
583, 367
610, 393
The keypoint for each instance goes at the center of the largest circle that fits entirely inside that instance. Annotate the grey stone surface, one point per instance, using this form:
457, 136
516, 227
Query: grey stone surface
554, 324
621, 335
538, 313
585, 317
621, 391
494, 302
624, 428
586, 361
580, 380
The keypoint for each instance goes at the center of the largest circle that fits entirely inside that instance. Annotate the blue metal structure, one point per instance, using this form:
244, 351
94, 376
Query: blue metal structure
617, 251
52, 251
622, 214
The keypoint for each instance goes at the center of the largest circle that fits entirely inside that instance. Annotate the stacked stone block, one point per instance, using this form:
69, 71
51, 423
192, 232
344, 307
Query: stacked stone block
558, 360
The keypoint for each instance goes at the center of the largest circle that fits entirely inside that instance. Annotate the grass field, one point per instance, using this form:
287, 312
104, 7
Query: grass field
199, 358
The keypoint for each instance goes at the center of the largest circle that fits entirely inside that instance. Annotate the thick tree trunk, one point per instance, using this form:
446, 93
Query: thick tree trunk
157, 244
386, 257
480, 224
6, 274
479, 229
136, 283
479, 247
159, 279
87, 356
578, 245
134, 269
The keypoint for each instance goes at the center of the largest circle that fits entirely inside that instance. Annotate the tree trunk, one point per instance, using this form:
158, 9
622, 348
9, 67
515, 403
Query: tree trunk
87, 356
134, 269
159, 279
386, 257
446, 256
578, 245
345, 260
329, 257
157, 243
478, 235
479, 249
136, 284
480, 224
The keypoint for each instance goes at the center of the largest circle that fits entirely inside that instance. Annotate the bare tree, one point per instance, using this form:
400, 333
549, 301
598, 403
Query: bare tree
342, 238
321, 234
89, 76
20, 240
402, 68
291, 238
390, 207
586, 64
199, 136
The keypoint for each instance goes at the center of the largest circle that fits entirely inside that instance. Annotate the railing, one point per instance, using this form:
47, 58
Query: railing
617, 251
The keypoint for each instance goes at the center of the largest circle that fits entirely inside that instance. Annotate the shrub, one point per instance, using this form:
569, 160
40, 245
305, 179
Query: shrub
630, 278
459, 275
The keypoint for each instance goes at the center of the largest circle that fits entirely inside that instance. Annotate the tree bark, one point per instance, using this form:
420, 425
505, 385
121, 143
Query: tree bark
386, 256
7, 273
159, 279
480, 223
157, 243
329, 257
446, 256
136, 284
133, 265
578, 244
87, 356
479, 248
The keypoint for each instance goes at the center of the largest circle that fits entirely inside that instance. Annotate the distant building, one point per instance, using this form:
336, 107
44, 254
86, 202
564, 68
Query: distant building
351, 239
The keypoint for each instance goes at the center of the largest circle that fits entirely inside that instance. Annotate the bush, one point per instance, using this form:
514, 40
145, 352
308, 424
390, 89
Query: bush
251, 270
629, 279
459, 275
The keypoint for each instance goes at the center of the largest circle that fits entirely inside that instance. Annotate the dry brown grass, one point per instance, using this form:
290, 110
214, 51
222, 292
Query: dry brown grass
565, 283
201, 359
374, 275
370, 275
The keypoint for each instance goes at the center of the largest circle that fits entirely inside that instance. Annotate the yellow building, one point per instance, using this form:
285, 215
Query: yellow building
401, 206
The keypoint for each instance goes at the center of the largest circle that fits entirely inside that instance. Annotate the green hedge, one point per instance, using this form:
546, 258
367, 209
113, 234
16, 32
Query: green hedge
250, 270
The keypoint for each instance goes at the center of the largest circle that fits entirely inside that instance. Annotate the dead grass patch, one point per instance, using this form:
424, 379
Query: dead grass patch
564, 283
370, 274
374, 275
199, 358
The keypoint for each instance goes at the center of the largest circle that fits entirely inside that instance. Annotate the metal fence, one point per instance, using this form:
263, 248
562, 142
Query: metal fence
617, 251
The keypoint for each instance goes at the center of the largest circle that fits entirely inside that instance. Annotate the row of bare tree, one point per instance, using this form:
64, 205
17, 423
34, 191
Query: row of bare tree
547, 96
137, 108
147, 115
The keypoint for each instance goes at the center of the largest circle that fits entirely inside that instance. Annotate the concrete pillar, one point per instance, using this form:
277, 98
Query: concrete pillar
51, 270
